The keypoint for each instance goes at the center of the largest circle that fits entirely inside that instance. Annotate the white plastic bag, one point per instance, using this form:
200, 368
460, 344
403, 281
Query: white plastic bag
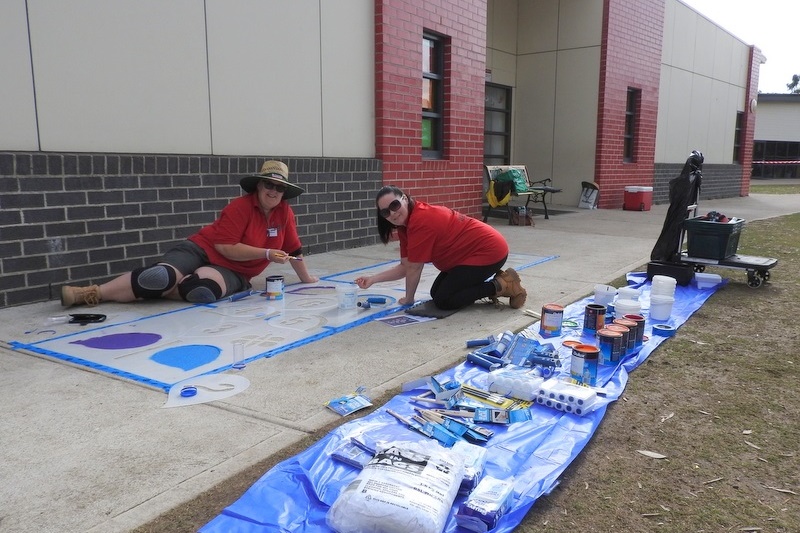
405, 488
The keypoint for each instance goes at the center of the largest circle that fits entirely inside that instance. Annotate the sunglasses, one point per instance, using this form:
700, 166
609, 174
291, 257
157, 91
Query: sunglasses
393, 207
268, 185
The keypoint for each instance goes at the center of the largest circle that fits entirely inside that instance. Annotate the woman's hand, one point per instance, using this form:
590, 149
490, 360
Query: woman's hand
364, 282
279, 256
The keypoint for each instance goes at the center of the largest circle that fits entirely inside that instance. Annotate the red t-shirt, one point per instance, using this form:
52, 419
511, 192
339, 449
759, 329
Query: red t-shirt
447, 238
243, 221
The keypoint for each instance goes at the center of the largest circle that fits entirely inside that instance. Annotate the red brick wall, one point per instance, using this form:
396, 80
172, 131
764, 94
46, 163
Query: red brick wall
457, 179
756, 59
630, 57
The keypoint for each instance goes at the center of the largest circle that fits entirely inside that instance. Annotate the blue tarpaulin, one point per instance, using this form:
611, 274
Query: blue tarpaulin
296, 494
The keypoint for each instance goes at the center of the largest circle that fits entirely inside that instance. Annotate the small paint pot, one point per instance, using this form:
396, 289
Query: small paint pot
632, 327
583, 365
640, 323
274, 288
610, 342
594, 317
550, 322
625, 331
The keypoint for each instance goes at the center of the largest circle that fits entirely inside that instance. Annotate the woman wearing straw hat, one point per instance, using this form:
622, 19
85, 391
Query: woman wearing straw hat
251, 232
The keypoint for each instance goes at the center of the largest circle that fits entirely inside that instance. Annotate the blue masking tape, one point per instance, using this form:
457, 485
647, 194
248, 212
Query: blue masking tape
663, 330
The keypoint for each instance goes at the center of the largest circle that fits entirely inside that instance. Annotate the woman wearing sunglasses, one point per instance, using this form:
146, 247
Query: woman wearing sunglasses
466, 251
219, 260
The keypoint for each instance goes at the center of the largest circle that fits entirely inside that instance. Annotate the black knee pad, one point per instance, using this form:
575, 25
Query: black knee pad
199, 290
151, 282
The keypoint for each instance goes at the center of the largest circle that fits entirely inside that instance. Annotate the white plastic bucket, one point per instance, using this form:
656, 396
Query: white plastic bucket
624, 307
347, 294
661, 307
604, 294
628, 293
663, 285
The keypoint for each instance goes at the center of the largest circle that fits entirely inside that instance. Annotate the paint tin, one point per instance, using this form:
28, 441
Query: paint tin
583, 366
274, 288
550, 323
640, 322
594, 317
610, 346
633, 327
626, 335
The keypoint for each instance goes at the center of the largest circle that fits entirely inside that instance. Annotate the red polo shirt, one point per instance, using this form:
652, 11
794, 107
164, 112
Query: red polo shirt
243, 221
447, 238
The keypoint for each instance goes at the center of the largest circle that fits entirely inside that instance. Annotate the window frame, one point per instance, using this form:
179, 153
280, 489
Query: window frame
630, 132
505, 157
436, 77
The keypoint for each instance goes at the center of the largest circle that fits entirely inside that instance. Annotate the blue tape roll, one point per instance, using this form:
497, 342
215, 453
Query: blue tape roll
663, 330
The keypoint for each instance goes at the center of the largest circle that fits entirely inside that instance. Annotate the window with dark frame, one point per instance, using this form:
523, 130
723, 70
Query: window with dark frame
497, 125
631, 118
737, 139
432, 96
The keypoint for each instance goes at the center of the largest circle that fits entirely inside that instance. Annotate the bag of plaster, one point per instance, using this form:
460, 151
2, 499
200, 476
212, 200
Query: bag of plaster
406, 487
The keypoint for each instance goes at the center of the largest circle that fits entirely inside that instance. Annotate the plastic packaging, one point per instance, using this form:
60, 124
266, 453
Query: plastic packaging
484, 507
404, 488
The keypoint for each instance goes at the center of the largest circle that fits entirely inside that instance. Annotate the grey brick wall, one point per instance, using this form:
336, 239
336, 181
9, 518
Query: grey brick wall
86, 218
719, 181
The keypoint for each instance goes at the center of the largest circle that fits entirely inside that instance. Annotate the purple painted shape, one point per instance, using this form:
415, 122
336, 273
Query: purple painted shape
120, 341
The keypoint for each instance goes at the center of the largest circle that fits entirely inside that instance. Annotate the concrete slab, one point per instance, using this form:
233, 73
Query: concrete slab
84, 452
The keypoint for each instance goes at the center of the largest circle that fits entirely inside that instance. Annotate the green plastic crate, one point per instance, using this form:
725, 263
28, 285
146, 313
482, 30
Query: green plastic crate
712, 240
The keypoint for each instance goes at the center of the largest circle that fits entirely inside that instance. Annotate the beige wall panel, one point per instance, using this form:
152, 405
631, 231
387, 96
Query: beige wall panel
575, 130
723, 57
777, 121
270, 102
116, 76
662, 133
534, 108
669, 31
705, 38
721, 125
502, 25
503, 67
700, 100
677, 102
683, 42
580, 23
348, 74
740, 68
538, 23
17, 108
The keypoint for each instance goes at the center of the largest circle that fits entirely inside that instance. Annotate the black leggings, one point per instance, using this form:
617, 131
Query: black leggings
463, 285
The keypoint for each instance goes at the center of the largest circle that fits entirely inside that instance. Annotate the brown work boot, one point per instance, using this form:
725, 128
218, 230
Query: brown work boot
80, 295
510, 286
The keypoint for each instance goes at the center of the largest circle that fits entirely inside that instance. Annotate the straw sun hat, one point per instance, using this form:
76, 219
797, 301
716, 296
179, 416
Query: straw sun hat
276, 172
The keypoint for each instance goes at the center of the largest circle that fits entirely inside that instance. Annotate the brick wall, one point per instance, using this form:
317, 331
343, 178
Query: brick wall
83, 218
756, 59
457, 179
631, 57
719, 181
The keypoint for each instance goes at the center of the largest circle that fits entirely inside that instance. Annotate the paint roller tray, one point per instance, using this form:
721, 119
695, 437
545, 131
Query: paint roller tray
707, 281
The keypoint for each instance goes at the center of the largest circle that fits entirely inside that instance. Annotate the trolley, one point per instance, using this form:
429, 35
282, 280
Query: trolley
709, 250
757, 268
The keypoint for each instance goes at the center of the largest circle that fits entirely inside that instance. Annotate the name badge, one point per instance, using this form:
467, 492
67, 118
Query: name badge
272, 232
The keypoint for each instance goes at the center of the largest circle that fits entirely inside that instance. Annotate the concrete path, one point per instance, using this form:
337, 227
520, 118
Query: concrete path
86, 452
